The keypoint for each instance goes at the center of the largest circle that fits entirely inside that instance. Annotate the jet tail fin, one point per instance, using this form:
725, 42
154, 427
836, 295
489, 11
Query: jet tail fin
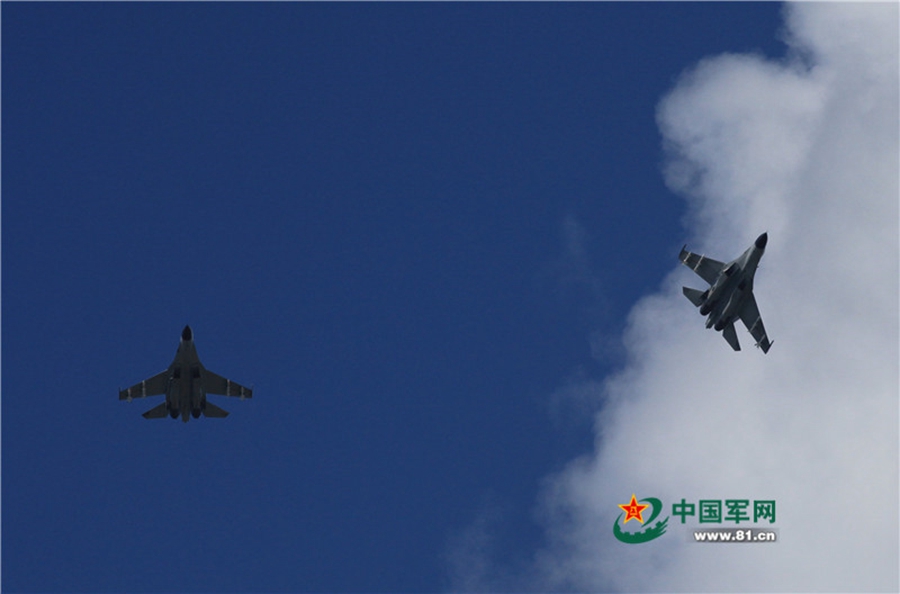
214, 411
731, 337
696, 296
157, 412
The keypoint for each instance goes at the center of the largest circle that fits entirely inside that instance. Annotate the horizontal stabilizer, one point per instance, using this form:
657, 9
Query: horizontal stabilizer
696, 296
157, 412
731, 336
214, 411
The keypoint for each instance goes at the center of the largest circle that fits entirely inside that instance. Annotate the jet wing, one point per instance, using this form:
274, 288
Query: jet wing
708, 269
216, 384
154, 386
751, 318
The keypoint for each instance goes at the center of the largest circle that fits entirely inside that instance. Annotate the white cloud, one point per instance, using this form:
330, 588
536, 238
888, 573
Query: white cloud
806, 149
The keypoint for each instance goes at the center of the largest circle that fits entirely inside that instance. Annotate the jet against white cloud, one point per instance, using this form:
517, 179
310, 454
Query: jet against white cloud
730, 295
185, 384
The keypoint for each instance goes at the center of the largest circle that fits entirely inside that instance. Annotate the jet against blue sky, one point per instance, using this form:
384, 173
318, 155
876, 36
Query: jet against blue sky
185, 383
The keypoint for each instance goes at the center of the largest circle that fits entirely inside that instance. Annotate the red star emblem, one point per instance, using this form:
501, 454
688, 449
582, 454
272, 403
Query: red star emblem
633, 510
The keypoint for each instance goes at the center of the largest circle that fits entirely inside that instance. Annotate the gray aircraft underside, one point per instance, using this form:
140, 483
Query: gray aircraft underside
730, 294
185, 384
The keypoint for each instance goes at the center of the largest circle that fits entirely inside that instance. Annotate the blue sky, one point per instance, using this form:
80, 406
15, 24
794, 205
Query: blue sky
405, 225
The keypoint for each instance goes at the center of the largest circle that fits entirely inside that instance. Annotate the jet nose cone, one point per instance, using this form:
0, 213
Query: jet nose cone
186, 334
762, 240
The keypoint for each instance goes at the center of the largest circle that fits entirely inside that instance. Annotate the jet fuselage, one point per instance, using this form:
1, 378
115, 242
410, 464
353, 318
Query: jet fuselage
734, 285
185, 395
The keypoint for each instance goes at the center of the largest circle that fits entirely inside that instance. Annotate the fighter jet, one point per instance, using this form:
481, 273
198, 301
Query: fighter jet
730, 295
185, 383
